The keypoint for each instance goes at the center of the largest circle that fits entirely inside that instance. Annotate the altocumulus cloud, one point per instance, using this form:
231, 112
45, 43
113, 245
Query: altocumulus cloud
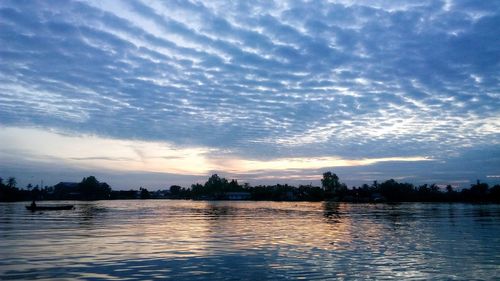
259, 90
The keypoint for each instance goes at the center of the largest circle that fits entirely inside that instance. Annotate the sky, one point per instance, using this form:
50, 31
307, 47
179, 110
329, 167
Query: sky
155, 93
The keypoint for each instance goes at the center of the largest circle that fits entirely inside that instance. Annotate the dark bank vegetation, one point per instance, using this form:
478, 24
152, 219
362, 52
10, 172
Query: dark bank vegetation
219, 188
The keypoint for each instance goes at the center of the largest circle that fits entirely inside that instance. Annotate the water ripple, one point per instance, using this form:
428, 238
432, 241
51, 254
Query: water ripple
197, 240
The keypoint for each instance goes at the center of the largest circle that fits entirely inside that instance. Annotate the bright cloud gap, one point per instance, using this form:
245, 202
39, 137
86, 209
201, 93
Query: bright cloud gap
160, 157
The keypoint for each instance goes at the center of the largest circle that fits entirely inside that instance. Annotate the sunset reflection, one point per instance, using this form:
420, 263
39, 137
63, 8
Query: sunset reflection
269, 240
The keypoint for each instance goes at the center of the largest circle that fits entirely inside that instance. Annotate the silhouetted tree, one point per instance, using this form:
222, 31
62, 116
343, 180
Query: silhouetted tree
213, 188
332, 186
9, 191
397, 192
197, 190
92, 189
310, 193
175, 189
11, 182
495, 193
233, 186
330, 182
144, 193
36, 193
477, 192
215, 182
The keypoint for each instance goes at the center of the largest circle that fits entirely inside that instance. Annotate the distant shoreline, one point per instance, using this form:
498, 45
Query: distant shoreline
218, 188
276, 201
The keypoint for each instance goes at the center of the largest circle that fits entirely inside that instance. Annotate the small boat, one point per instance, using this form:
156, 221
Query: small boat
49, 207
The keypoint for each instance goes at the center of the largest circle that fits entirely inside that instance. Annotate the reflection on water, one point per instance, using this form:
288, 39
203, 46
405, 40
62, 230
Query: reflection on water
191, 240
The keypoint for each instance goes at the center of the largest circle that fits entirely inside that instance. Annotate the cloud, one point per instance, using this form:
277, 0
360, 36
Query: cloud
103, 153
283, 164
135, 155
267, 80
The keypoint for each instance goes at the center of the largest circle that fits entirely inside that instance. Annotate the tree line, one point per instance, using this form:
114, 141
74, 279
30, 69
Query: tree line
219, 188
88, 189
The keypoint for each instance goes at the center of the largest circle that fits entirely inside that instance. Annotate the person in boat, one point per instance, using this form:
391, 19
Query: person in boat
33, 204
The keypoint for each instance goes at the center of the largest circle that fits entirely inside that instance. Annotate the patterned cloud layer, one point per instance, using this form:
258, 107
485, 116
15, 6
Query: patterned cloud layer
263, 81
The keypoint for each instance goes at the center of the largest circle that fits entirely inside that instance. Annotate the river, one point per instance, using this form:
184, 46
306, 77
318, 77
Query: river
230, 240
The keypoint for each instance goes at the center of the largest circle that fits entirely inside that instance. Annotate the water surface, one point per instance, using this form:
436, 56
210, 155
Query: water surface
227, 240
